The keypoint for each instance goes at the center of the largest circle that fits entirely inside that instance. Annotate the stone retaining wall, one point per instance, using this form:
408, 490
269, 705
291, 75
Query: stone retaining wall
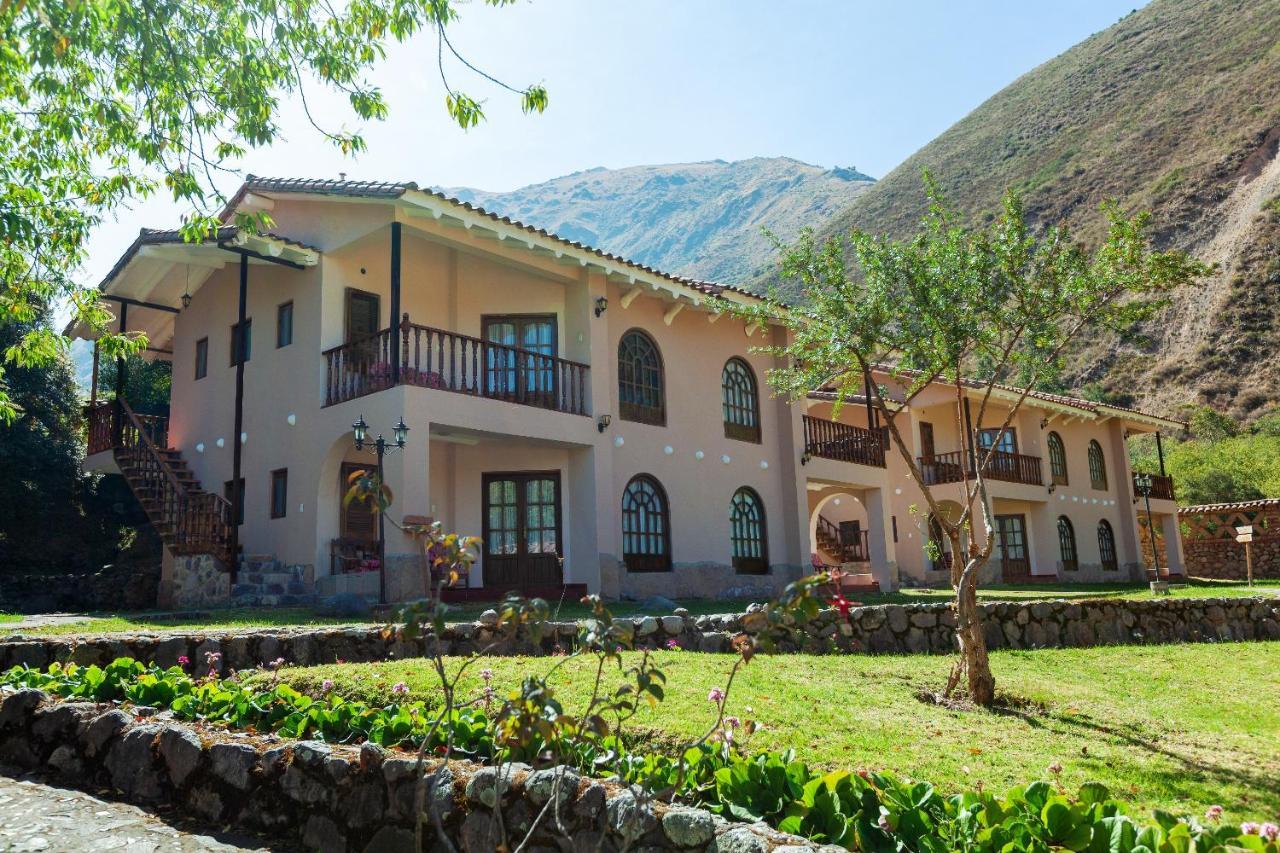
912, 628
336, 799
1224, 558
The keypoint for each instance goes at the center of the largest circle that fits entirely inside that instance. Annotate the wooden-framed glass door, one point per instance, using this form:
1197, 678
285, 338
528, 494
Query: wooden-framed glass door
525, 376
522, 530
1011, 535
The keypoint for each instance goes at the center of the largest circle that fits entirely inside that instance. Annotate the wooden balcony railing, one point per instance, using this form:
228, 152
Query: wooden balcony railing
434, 358
842, 442
1004, 466
104, 421
1161, 487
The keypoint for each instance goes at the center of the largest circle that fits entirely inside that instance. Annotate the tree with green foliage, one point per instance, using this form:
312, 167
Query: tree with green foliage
1218, 461
147, 384
969, 307
104, 101
51, 514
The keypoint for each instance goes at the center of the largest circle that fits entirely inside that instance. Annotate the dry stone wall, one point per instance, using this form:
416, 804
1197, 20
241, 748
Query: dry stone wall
337, 799
895, 629
1224, 559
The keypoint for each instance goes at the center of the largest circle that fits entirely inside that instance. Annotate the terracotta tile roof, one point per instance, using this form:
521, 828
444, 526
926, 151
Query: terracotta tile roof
1264, 503
394, 190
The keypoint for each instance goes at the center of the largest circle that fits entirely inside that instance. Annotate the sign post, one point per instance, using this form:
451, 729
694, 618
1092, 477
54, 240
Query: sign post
1244, 534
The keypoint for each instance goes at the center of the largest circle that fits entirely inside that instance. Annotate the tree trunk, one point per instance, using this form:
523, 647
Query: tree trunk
973, 642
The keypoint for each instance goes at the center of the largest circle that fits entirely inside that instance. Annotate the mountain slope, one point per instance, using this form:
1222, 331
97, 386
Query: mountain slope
702, 220
1175, 109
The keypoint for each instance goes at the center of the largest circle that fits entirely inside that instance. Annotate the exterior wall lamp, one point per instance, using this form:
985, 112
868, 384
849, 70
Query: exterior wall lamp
602, 423
602, 305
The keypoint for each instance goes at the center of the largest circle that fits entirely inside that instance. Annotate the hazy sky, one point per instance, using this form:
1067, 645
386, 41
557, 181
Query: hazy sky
638, 81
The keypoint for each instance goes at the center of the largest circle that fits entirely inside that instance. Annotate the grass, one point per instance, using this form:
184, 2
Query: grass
1180, 727
239, 618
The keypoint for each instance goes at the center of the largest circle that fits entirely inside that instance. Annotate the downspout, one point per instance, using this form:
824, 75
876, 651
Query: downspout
237, 494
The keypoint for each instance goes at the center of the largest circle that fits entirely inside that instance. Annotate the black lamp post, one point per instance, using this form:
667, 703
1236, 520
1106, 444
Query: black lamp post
380, 446
1143, 483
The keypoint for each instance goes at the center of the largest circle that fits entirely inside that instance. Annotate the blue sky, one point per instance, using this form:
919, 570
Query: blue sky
633, 81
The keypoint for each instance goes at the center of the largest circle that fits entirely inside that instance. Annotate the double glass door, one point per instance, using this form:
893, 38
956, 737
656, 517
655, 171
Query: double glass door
521, 363
522, 536
1011, 533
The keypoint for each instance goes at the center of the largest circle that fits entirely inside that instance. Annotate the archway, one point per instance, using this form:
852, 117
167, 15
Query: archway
838, 527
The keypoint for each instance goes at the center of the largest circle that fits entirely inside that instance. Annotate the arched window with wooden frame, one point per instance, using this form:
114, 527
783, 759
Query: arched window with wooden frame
747, 533
646, 526
1097, 465
939, 552
641, 383
1067, 544
1107, 546
1057, 460
741, 401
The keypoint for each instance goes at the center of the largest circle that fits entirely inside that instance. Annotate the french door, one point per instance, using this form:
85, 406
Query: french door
520, 364
522, 536
1011, 534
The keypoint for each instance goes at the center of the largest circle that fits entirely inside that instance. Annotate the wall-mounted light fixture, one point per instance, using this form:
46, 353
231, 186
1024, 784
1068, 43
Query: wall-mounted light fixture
804, 458
602, 305
602, 423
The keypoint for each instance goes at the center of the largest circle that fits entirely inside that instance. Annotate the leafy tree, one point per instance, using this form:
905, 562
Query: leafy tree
1211, 425
1218, 461
51, 514
104, 101
968, 307
147, 384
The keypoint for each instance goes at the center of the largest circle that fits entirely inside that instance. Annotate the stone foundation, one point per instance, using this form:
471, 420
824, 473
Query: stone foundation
194, 581
340, 798
894, 628
700, 580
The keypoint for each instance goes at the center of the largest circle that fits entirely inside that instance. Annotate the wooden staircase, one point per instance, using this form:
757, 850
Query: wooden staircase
839, 548
187, 518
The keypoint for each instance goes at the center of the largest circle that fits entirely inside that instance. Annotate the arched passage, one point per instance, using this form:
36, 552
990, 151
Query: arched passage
838, 518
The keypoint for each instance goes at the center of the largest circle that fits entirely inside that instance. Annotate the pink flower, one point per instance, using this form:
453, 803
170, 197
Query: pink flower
276, 664
1250, 828
1055, 768
183, 660
1214, 813
486, 675
400, 688
673, 644
732, 722
212, 657
1270, 831
326, 685
716, 695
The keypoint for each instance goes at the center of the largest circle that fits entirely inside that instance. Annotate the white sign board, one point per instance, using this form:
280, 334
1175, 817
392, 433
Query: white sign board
1244, 533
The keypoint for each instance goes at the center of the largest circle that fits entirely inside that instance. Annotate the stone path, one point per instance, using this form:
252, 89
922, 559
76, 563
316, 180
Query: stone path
43, 620
37, 817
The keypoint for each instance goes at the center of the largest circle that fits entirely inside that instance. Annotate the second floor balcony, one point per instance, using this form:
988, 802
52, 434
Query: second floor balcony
1161, 486
843, 442
426, 357
1004, 466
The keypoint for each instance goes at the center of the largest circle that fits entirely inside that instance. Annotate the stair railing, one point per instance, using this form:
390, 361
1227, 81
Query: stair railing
194, 521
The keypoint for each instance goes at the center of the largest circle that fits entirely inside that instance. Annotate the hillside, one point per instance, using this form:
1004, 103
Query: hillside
1175, 109
703, 220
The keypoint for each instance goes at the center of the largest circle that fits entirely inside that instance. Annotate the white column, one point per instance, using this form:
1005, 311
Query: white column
1172, 544
884, 565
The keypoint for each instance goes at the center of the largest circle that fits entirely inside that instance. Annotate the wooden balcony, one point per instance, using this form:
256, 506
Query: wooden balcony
842, 442
1161, 487
1006, 467
434, 358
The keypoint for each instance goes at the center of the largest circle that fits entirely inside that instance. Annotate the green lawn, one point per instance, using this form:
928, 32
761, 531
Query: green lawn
1183, 727
266, 617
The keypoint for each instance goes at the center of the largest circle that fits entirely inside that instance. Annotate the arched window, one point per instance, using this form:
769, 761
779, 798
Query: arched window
1067, 544
1097, 466
1057, 460
1107, 546
747, 532
741, 403
641, 393
646, 526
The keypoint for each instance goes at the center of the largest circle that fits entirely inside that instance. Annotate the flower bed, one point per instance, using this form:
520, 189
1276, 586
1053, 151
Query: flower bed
348, 795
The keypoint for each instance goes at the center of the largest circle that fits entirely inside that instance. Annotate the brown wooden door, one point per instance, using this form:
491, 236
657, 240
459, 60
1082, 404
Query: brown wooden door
362, 315
522, 537
358, 522
521, 367
926, 442
1011, 533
